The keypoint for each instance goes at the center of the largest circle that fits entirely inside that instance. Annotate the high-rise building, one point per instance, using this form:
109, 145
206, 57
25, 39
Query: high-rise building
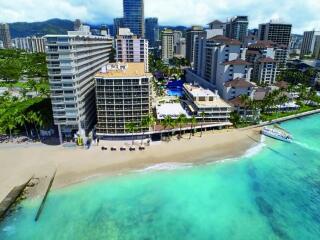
117, 24
73, 60
104, 30
122, 97
130, 48
152, 31
133, 16
177, 35
237, 28
276, 32
309, 42
30, 44
5, 36
167, 45
295, 43
180, 48
77, 24
267, 59
192, 33
219, 61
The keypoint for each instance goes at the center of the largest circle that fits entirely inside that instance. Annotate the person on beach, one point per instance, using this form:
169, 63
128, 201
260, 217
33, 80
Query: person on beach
98, 141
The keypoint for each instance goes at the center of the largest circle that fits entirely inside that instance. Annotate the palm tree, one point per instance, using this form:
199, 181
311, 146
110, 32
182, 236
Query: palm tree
202, 115
35, 119
193, 122
166, 122
131, 128
32, 84
180, 121
23, 92
21, 120
245, 101
146, 123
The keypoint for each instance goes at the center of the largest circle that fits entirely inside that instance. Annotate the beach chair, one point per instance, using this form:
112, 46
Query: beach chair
132, 148
142, 148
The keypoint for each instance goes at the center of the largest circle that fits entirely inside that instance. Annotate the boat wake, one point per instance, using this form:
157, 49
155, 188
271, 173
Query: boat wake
256, 149
165, 167
307, 146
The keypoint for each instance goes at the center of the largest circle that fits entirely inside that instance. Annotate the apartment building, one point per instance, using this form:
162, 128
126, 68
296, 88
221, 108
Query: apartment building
309, 44
275, 31
130, 48
220, 60
191, 35
123, 93
237, 28
167, 46
5, 35
73, 60
268, 60
30, 44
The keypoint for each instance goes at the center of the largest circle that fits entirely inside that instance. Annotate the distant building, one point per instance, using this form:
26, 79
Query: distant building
133, 16
30, 44
237, 28
167, 48
216, 28
104, 30
152, 31
295, 43
122, 96
177, 35
73, 60
5, 36
310, 43
277, 32
192, 33
117, 24
131, 49
77, 24
180, 48
1, 45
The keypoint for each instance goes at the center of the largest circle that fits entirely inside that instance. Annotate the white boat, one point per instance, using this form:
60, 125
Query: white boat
277, 133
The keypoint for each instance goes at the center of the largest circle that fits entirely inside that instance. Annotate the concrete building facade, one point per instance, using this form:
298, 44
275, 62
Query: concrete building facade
191, 35
122, 97
237, 28
30, 44
130, 48
277, 32
73, 60
5, 35
309, 43
167, 45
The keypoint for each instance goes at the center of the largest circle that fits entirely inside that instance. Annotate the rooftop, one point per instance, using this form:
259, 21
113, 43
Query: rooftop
239, 83
211, 99
238, 61
225, 40
266, 60
114, 70
170, 109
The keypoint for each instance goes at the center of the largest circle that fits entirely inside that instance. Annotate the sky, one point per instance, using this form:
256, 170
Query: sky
303, 14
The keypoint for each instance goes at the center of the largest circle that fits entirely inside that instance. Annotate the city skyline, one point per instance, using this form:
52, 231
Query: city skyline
302, 14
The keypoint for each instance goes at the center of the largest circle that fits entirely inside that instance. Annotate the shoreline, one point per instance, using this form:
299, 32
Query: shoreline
77, 165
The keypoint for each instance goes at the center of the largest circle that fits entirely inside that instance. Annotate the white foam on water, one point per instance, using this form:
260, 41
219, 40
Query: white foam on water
9, 229
305, 145
256, 149
166, 167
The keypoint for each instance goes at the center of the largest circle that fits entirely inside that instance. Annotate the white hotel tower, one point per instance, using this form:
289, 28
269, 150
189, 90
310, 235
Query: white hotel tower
73, 60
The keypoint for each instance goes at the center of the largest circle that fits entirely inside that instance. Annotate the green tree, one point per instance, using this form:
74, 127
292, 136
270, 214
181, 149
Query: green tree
202, 115
131, 127
193, 122
181, 120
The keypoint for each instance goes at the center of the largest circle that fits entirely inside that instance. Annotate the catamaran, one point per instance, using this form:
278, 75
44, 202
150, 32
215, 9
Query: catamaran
277, 132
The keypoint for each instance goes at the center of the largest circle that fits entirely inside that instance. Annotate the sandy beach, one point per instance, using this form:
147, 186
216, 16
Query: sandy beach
19, 162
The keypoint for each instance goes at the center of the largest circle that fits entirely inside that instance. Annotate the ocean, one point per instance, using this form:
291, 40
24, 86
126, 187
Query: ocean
272, 192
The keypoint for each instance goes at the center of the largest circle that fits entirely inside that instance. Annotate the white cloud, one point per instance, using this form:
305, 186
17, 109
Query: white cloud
303, 14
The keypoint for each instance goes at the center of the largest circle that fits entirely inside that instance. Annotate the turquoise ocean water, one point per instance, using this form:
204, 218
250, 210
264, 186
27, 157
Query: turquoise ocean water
273, 192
